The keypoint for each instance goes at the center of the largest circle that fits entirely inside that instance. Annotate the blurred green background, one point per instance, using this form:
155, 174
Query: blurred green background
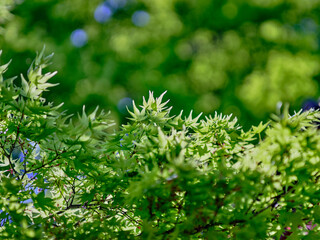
236, 56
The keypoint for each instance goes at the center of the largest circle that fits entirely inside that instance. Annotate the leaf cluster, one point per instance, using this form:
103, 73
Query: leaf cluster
159, 177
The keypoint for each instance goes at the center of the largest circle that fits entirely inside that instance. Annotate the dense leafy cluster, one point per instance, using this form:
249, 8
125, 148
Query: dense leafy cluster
236, 56
159, 177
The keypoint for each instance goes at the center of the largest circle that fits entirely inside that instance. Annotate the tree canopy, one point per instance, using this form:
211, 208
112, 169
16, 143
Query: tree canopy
238, 56
160, 176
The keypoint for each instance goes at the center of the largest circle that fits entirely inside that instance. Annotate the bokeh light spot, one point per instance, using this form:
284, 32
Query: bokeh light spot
308, 25
140, 18
123, 104
271, 30
102, 13
116, 4
230, 10
79, 38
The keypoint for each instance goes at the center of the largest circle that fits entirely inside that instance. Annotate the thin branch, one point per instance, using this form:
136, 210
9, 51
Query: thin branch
14, 144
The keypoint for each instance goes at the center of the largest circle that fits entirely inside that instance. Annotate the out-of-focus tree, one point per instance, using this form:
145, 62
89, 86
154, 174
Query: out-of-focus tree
5, 7
237, 56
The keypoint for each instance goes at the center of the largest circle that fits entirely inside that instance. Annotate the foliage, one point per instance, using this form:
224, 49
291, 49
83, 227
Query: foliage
159, 177
5, 7
237, 56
